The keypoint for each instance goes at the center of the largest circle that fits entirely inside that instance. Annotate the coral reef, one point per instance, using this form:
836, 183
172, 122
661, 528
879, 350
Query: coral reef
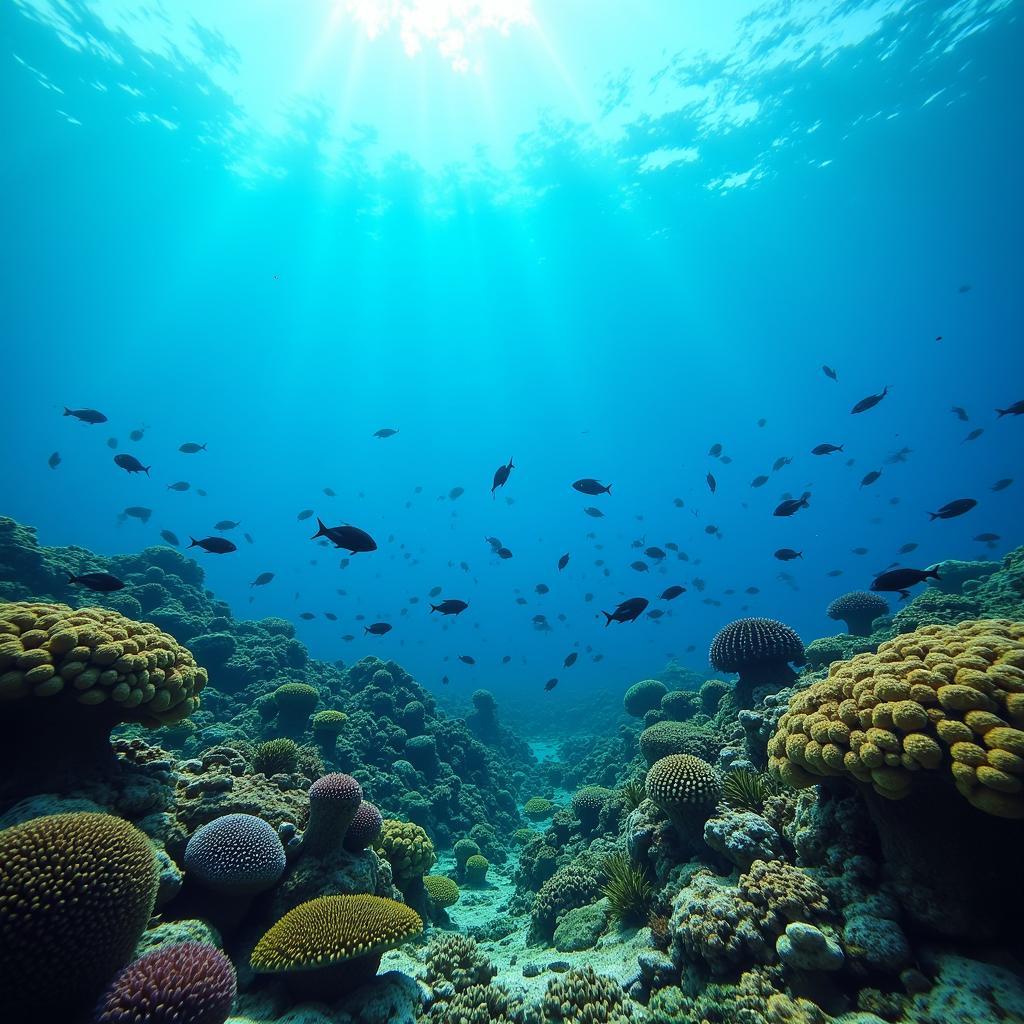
760, 650
858, 609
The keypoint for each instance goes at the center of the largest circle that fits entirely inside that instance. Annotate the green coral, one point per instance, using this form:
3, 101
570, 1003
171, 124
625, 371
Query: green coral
476, 870
627, 888
463, 850
407, 848
442, 890
680, 705
328, 724
276, 757
537, 808
586, 997
643, 697
295, 702
711, 694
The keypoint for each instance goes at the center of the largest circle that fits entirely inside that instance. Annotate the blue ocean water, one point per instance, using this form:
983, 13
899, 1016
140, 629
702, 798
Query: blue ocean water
522, 240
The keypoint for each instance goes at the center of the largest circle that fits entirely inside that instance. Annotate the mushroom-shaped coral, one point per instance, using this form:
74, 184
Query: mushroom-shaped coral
364, 828
760, 650
443, 892
463, 850
476, 871
327, 726
587, 804
181, 983
664, 738
332, 944
68, 676
858, 609
333, 802
76, 891
407, 848
686, 789
295, 702
643, 697
538, 808
236, 854
943, 697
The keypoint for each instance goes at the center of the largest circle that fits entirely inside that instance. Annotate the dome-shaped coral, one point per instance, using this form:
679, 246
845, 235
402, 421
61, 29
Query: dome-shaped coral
538, 808
365, 827
686, 789
407, 848
276, 757
679, 705
476, 870
441, 890
643, 697
333, 802
328, 724
235, 853
711, 694
943, 697
587, 804
183, 983
664, 738
760, 650
858, 609
76, 892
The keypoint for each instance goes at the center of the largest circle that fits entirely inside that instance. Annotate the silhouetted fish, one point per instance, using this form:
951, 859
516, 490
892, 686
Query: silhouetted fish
627, 611
262, 580
467, 659
181, 485
351, 538
563, 561
377, 628
102, 582
1017, 409
542, 588
899, 580
86, 415
781, 461
136, 434
550, 684
190, 448
130, 464
826, 449
712, 483
952, 509
759, 481
788, 554
501, 476
503, 553
329, 492
678, 502
304, 514
54, 460
671, 593
859, 551
215, 545
1001, 485
434, 591
450, 606
137, 512
456, 492
570, 660
974, 434
654, 552
506, 659
111, 442
226, 524
715, 450
870, 478
587, 485
331, 616
834, 572
908, 547
638, 566
725, 460
248, 538
829, 372
987, 538
306, 616
385, 432
171, 538
960, 413
791, 505
870, 402
594, 513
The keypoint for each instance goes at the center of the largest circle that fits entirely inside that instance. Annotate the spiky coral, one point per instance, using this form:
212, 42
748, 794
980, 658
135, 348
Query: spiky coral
628, 889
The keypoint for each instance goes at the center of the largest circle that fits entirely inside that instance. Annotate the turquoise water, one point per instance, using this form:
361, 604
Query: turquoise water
596, 242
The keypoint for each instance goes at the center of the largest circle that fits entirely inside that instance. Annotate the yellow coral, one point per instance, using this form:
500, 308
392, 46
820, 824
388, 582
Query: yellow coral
943, 695
407, 847
441, 889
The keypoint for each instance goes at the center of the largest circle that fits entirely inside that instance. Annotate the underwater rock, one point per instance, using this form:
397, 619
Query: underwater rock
580, 928
955, 574
170, 933
968, 991
878, 942
742, 837
805, 947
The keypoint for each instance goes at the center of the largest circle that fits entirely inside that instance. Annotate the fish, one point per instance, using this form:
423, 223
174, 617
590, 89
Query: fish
1001, 485
859, 551
594, 513
377, 629
563, 561
699, 584
171, 538
248, 538
331, 616
434, 591
626, 611
715, 450
262, 580
351, 538
190, 448
781, 461
1017, 409
494, 542
712, 483
725, 460
759, 481
130, 464
467, 659
638, 566
960, 413
112, 442
678, 502
450, 606
304, 514
226, 524
200, 492
870, 478
570, 660
671, 593
834, 572
506, 659
974, 435
791, 505
672, 545
895, 457
455, 493
306, 616
905, 549
752, 590
86, 415
330, 492
503, 553
870, 402
829, 372
102, 582
136, 434
900, 580
826, 449
761, 422
54, 460
138, 512
952, 509
385, 432
181, 485
542, 588
587, 485
551, 684
215, 545
788, 554
501, 475
655, 614
654, 552
987, 538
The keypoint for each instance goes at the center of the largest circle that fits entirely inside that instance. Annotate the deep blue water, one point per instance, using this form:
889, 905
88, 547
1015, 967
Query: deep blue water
581, 315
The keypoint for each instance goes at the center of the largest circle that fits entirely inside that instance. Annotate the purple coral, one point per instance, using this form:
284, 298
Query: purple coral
365, 828
235, 853
333, 802
858, 610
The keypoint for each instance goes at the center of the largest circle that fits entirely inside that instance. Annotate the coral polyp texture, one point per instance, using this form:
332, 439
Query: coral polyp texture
643, 697
365, 827
686, 789
333, 802
441, 890
760, 650
182, 983
858, 609
407, 848
946, 699
235, 853
76, 892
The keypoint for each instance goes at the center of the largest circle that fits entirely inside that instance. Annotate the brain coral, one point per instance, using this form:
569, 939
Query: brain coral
441, 889
407, 847
643, 697
760, 651
458, 960
333, 802
182, 983
941, 698
858, 610
686, 789
76, 892
365, 828
71, 675
235, 853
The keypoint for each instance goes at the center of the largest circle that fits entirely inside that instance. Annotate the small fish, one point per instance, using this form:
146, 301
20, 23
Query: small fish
54, 460
587, 485
226, 524
974, 434
503, 553
304, 514
501, 475
826, 449
781, 461
542, 588
86, 415
699, 584
788, 554
111, 442
1001, 485
171, 538
136, 434
306, 616
908, 547
348, 637
952, 509
759, 481
331, 616
678, 502
563, 561
671, 593
455, 493
550, 684
761, 422
715, 450
506, 659
626, 611
870, 402
450, 606
834, 572
130, 464
594, 513
959, 412
725, 460
190, 448
752, 590
329, 492
434, 591
791, 505
711, 529
672, 545
351, 538
248, 538
859, 551
638, 566
570, 660
899, 580
712, 483
987, 538
138, 512
655, 553
262, 580
385, 432
895, 457
829, 372
200, 492
102, 582
181, 485
215, 545
467, 659
655, 614
377, 629
1017, 409
870, 478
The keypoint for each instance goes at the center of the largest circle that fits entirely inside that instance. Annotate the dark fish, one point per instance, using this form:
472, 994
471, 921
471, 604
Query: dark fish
752, 590
1001, 485
834, 572
540, 618
895, 457
136, 435
672, 545
503, 553
343, 564
859, 551
899, 580
715, 450
594, 513
550, 684
987, 538
171, 538
952, 509
791, 505
712, 483
467, 659
781, 461
377, 629
960, 413
1017, 409
654, 552
725, 460
588, 597
181, 485
329, 492
587, 485
678, 502
494, 542
826, 449
908, 547
102, 582
501, 476
350, 538
761, 422
111, 442
699, 584
870, 402
200, 492
456, 492
759, 481
130, 464
444, 680
307, 616
215, 545
450, 606
190, 448
974, 434
563, 561
627, 611
54, 460
829, 372
655, 614
138, 512
226, 524
248, 538
434, 591
870, 478
638, 566
671, 593
542, 588
570, 660
788, 554
505, 660
262, 580
304, 514
331, 616
86, 415
385, 432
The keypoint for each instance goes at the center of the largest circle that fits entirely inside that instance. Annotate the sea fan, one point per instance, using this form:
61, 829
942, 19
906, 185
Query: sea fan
628, 889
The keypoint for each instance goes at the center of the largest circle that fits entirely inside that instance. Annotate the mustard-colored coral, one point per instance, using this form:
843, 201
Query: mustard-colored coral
940, 698
441, 890
407, 847
94, 656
